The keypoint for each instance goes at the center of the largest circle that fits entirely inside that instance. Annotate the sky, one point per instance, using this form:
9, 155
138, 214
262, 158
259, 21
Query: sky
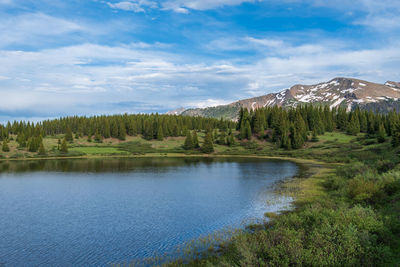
88, 57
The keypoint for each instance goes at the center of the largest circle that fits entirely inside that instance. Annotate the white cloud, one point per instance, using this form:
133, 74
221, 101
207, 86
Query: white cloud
180, 5
88, 78
133, 5
265, 42
377, 14
207, 103
29, 28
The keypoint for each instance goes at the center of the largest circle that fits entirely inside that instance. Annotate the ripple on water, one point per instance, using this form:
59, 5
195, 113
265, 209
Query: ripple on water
89, 214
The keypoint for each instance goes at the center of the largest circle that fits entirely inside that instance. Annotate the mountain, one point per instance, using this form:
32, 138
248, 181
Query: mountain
345, 92
177, 111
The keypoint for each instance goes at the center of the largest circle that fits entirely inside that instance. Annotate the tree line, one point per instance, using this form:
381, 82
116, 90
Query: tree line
150, 126
289, 128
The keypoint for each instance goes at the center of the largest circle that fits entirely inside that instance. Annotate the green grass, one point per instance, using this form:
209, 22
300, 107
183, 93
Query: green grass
337, 137
347, 213
98, 150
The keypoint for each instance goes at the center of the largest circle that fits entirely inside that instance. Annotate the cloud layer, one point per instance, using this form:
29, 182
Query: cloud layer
152, 56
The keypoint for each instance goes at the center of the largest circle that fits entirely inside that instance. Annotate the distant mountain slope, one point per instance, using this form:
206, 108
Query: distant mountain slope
347, 92
177, 111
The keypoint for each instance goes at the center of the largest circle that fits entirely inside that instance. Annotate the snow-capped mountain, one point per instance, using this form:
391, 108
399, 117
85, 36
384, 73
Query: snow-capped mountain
345, 92
177, 111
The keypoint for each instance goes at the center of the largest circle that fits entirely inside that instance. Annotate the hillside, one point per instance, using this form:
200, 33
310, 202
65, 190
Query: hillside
346, 92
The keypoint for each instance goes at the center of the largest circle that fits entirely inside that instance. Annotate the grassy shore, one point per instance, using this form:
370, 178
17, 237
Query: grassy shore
347, 211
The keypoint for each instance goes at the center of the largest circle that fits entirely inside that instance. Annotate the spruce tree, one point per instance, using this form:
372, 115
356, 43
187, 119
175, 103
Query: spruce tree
68, 135
160, 134
42, 150
175, 130
98, 138
106, 129
33, 144
231, 140
243, 132
222, 138
314, 137
188, 142
381, 134
296, 138
5, 146
121, 131
195, 140
396, 135
208, 146
215, 136
353, 128
114, 129
21, 140
248, 130
64, 146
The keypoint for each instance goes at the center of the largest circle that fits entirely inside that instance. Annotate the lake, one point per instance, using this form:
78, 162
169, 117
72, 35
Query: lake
95, 212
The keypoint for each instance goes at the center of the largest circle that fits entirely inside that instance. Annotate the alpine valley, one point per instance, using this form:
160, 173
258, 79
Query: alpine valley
338, 92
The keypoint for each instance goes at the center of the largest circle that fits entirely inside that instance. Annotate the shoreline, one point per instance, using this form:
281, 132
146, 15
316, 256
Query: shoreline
167, 155
309, 174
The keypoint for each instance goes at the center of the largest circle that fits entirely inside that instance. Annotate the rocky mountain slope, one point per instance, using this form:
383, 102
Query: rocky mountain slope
346, 92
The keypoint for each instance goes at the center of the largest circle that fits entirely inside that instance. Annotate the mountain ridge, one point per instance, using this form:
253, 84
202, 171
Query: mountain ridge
340, 91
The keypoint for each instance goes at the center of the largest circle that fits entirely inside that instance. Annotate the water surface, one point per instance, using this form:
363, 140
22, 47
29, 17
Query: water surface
101, 211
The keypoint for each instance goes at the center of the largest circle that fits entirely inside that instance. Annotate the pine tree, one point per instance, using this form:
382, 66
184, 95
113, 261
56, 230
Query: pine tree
188, 142
215, 136
314, 137
175, 130
353, 127
68, 135
243, 132
148, 130
42, 150
107, 130
231, 140
21, 140
296, 138
89, 138
208, 146
381, 134
222, 138
98, 138
396, 135
5, 146
64, 146
114, 129
121, 131
160, 134
33, 144
248, 131
195, 140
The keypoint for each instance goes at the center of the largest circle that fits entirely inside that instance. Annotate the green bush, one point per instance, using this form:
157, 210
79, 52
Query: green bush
349, 171
363, 190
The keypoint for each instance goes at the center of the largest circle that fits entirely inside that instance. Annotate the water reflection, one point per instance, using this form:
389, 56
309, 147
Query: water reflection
91, 212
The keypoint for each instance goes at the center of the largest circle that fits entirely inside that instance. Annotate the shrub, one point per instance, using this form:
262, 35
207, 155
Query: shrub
362, 190
350, 171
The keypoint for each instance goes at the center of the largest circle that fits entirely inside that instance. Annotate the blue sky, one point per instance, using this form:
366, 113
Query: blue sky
90, 57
